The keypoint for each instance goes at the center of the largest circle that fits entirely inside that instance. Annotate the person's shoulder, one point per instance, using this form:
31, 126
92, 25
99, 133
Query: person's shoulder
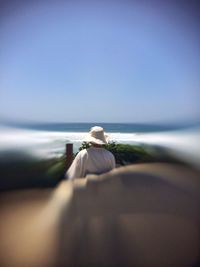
82, 153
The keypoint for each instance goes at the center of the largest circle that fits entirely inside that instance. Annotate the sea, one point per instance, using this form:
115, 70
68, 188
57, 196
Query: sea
48, 140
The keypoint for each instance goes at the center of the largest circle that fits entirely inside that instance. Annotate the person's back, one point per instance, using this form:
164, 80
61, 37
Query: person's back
99, 160
94, 160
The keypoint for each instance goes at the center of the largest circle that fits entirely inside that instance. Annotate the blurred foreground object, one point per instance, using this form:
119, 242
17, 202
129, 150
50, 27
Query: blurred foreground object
142, 215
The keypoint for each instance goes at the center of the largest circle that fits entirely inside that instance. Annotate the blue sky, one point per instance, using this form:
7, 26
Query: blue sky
121, 61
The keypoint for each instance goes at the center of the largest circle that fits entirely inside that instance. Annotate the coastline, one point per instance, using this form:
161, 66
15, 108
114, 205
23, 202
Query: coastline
37, 158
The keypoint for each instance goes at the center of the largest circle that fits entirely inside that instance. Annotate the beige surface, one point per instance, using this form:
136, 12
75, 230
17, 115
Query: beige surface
142, 215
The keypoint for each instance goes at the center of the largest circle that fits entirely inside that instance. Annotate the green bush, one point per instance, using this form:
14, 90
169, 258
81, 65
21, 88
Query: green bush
126, 154
20, 171
138, 153
23, 172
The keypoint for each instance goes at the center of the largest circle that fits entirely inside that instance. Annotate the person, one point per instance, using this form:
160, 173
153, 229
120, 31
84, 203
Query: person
93, 160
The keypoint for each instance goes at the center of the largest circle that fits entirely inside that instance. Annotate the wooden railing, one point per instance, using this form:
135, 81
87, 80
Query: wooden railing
69, 155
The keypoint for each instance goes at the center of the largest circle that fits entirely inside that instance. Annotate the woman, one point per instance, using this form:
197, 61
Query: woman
95, 159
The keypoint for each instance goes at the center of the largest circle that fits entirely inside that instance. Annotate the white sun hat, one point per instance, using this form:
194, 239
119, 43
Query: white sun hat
97, 136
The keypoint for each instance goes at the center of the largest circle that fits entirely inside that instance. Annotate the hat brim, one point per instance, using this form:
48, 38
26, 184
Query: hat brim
90, 139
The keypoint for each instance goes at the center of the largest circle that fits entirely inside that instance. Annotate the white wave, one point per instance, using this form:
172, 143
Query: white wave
185, 144
19, 138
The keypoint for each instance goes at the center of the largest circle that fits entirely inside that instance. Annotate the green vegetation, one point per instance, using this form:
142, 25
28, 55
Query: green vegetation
128, 154
20, 171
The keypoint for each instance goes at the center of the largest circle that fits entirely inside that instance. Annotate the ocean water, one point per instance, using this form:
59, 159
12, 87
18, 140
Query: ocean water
108, 127
48, 140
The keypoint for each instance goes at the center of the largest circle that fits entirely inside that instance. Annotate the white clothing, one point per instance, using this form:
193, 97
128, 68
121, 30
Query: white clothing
94, 160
